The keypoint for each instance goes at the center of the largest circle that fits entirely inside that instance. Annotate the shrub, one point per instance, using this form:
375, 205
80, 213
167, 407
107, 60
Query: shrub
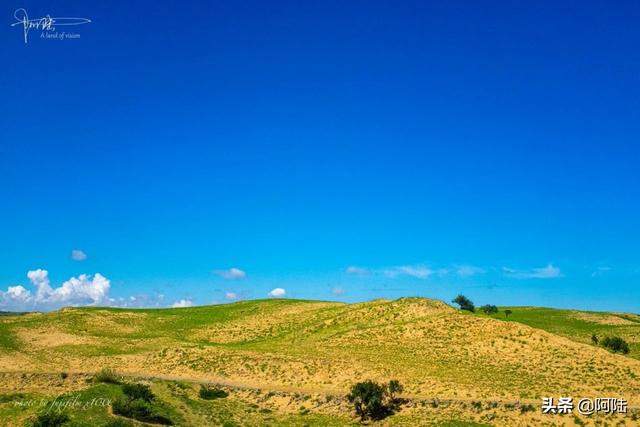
368, 400
107, 376
464, 303
210, 393
373, 400
139, 404
138, 391
507, 313
139, 410
616, 344
63, 375
489, 309
50, 419
594, 339
527, 408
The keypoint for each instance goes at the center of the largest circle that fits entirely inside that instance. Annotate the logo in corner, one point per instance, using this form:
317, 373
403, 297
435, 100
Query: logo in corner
46, 25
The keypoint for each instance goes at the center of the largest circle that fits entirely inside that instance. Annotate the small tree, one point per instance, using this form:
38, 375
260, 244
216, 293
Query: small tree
594, 339
464, 303
507, 313
616, 344
368, 400
489, 309
373, 400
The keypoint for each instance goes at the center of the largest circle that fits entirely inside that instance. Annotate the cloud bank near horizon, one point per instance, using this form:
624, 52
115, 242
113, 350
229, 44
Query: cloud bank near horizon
81, 290
93, 290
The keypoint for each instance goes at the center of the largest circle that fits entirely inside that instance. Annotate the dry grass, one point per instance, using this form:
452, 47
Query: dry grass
322, 348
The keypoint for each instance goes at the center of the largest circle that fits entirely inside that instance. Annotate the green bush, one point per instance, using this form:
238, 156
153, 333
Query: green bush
210, 393
139, 410
464, 303
139, 404
373, 400
527, 408
489, 309
616, 344
107, 376
50, 419
138, 391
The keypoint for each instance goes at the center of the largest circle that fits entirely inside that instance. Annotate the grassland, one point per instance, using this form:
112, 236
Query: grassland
291, 362
578, 325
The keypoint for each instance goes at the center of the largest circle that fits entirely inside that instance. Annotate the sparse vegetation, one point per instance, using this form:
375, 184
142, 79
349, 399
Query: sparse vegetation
107, 376
317, 347
464, 303
616, 344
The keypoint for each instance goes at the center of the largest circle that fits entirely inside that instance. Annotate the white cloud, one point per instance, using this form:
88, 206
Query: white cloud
138, 301
40, 279
548, 272
277, 292
358, 271
231, 295
469, 270
78, 255
182, 303
81, 290
231, 274
417, 271
18, 294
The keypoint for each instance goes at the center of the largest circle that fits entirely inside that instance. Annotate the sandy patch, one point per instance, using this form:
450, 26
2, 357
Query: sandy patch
51, 338
602, 319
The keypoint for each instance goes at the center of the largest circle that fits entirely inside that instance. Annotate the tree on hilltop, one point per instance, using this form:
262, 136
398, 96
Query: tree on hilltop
464, 303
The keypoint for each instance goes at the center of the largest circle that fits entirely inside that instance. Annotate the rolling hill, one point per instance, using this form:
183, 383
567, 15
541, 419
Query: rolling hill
278, 356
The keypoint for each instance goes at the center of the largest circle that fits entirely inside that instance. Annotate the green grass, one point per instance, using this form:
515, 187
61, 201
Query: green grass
565, 323
8, 339
288, 342
86, 408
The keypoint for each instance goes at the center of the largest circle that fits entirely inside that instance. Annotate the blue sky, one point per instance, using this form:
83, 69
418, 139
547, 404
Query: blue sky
433, 147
